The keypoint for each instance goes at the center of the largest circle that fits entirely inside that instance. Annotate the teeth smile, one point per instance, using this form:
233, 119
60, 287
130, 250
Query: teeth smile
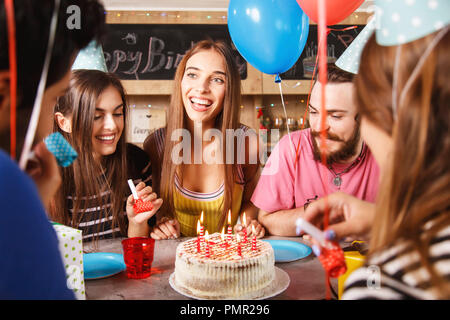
107, 138
201, 101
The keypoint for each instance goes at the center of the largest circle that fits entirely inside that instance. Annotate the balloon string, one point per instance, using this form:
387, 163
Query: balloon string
9, 8
306, 111
285, 115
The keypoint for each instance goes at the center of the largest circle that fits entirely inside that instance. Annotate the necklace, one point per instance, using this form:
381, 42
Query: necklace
337, 180
108, 185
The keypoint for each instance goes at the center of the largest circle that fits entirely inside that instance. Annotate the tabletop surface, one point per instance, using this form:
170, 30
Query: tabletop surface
307, 277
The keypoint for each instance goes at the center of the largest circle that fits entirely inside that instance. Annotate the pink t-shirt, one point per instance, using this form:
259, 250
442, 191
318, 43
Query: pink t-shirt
283, 186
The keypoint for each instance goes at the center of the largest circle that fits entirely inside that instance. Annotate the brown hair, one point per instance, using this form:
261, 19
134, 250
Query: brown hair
415, 188
226, 119
85, 177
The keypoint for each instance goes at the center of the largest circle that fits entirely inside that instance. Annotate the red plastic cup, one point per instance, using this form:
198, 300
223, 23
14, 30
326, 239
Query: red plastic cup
138, 256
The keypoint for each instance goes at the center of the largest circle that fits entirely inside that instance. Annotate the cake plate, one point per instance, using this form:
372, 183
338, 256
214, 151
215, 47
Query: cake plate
278, 285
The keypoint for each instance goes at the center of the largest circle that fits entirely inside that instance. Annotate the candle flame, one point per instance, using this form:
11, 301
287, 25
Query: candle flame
198, 227
244, 220
253, 230
229, 216
206, 236
201, 218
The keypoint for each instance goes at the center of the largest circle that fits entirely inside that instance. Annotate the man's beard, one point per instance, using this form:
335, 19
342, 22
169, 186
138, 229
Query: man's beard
348, 150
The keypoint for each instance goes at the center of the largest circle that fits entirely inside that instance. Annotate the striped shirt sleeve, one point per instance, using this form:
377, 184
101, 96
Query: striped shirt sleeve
397, 272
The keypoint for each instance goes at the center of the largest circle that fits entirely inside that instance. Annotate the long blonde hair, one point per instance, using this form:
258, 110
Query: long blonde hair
415, 188
227, 119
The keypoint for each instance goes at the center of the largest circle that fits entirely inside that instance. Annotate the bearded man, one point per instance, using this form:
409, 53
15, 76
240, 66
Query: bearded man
295, 175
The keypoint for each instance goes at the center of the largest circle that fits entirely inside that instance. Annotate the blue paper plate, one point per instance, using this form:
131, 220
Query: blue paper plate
99, 265
287, 250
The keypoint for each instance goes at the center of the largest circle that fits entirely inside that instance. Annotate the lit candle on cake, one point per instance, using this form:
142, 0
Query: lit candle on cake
207, 244
201, 225
254, 238
229, 225
224, 239
239, 249
198, 236
244, 221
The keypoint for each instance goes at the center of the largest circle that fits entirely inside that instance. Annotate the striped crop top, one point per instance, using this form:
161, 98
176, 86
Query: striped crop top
189, 204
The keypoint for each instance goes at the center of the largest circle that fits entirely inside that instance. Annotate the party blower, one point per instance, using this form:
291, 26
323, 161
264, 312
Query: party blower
332, 256
64, 153
139, 205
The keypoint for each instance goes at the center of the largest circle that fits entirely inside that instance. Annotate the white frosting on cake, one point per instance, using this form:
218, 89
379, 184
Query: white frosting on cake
224, 274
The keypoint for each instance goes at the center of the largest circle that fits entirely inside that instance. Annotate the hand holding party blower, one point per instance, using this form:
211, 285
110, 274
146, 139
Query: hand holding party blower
332, 256
139, 205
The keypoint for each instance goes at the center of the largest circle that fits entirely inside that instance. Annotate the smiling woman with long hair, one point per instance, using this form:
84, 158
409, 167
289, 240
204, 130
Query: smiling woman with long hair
206, 96
92, 117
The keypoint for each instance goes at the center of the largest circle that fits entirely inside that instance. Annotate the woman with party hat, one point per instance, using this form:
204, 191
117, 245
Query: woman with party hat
92, 117
403, 95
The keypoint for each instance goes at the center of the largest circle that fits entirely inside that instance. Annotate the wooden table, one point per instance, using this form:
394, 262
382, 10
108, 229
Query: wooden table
307, 277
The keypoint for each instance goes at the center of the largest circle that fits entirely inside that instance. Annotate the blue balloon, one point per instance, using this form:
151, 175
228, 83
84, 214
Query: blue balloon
269, 34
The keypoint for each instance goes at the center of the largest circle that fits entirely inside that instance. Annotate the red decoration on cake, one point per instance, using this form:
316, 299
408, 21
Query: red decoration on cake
244, 220
198, 237
224, 239
208, 254
239, 247
254, 238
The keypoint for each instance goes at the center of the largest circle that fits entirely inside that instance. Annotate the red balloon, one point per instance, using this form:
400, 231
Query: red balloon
337, 10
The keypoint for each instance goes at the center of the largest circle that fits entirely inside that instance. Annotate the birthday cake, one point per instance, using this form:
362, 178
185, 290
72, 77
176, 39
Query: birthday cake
224, 269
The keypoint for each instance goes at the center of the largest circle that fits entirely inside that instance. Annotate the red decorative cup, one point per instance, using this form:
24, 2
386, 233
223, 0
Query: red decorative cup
138, 256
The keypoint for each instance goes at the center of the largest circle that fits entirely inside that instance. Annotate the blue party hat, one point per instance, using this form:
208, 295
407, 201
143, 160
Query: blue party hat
349, 59
403, 21
64, 153
91, 58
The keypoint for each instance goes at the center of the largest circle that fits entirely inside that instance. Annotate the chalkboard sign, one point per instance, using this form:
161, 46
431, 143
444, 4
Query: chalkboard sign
337, 42
153, 51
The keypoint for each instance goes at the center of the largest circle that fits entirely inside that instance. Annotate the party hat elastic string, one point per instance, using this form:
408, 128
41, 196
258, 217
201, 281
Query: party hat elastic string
398, 53
421, 62
31, 131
